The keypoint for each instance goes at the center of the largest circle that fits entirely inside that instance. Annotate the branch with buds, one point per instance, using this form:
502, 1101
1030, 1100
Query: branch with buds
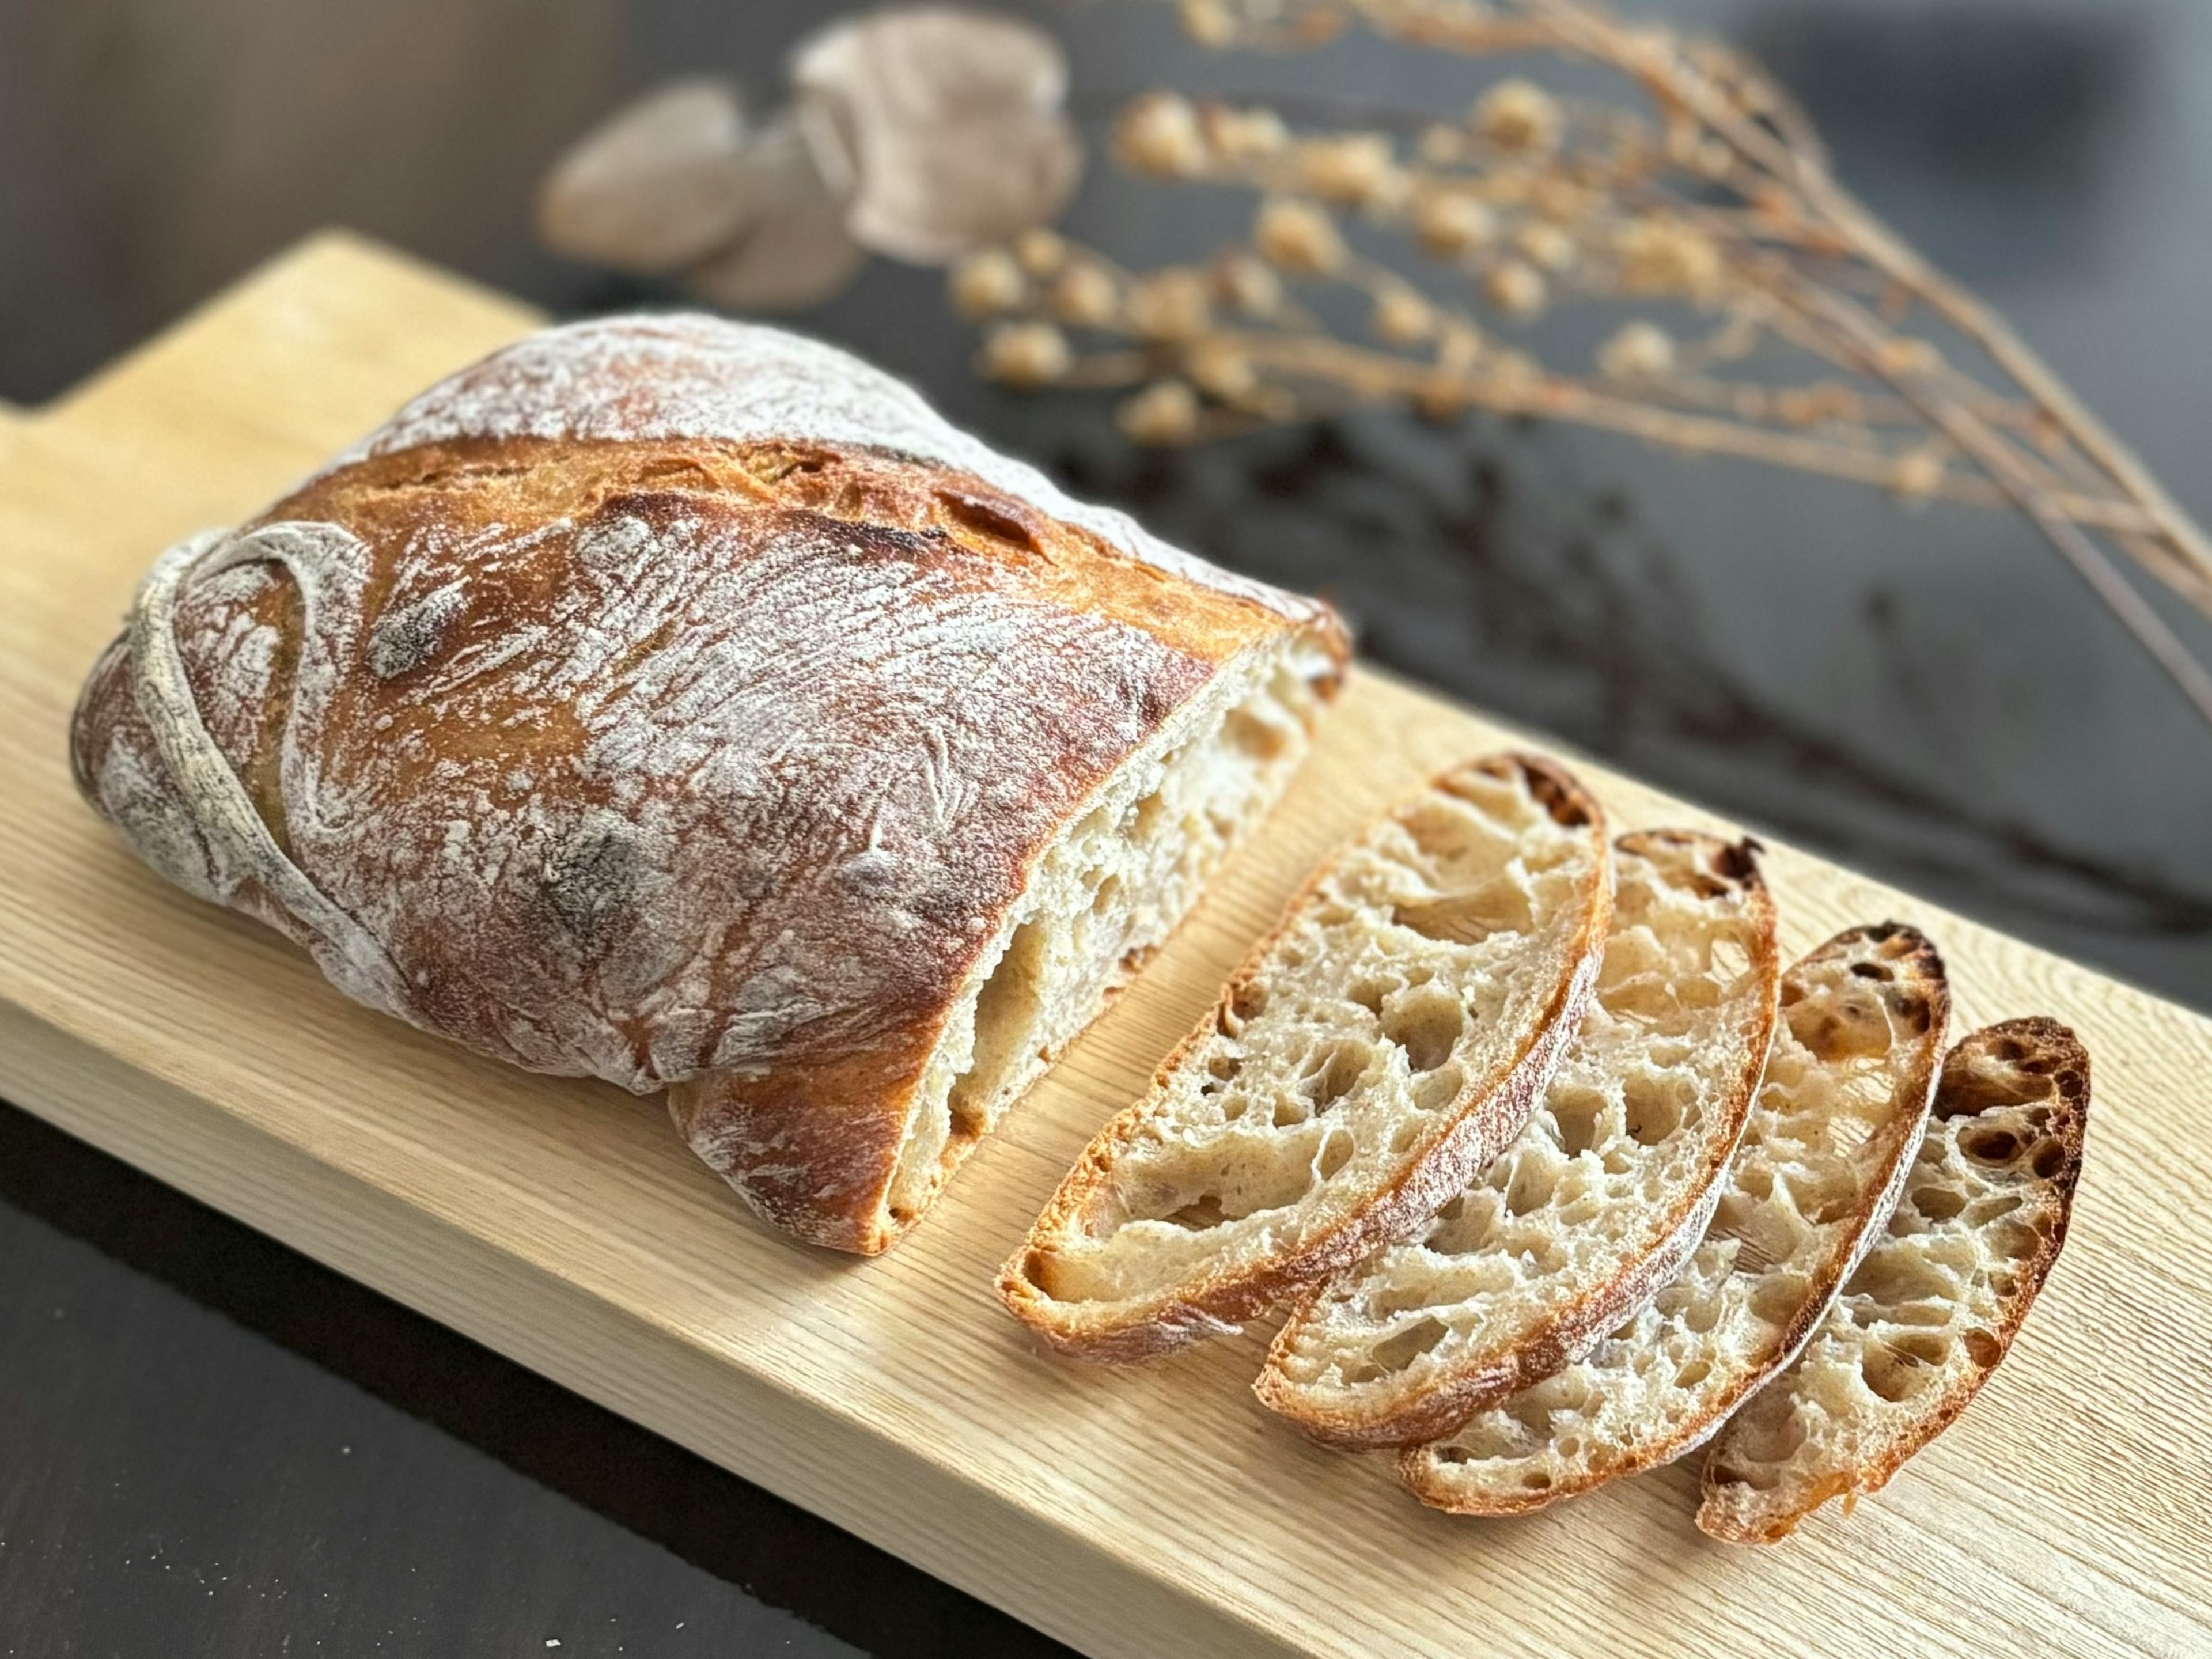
1706, 207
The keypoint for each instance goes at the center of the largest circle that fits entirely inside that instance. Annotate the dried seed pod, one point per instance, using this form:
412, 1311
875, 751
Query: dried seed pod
1160, 134
1516, 288
1299, 236
1918, 474
1453, 221
1637, 351
986, 282
1245, 134
1546, 246
1248, 284
1085, 296
1170, 306
1402, 316
658, 184
1659, 255
1352, 166
1165, 412
1040, 252
1519, 118
1904, 356
1209, 23
1223, 370
1026, 354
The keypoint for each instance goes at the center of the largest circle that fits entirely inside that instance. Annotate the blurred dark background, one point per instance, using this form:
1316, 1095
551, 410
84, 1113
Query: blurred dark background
1928, 695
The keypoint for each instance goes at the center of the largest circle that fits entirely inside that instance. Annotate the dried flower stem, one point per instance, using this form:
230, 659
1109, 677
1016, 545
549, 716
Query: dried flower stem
1717, 196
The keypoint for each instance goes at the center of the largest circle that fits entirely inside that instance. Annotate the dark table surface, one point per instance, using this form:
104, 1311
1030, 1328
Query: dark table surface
209, 1445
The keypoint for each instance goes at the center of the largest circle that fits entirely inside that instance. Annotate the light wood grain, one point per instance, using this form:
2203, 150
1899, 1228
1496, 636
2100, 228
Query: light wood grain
1150, 1513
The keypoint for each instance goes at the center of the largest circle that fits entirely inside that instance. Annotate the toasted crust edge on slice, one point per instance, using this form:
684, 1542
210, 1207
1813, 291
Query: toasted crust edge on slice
1573, 1327
1418, 1470
1733, 1520
1227, 1302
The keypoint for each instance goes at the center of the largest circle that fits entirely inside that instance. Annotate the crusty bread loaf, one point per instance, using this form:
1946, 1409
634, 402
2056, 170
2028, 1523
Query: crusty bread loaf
1596, 1204
1390, 1037
1829, 1142
1935, 1305
685, 703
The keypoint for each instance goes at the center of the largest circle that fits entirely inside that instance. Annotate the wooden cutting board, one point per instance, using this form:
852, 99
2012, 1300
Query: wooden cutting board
1155, 1513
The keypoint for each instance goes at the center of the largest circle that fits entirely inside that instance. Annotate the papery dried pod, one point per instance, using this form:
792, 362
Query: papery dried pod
794, 251
947, 123
658, 185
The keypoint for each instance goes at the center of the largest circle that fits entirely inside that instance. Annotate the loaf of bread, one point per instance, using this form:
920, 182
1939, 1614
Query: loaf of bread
686, 704
1389, 1040
1596, 1206
1935, 1306
1830, 1144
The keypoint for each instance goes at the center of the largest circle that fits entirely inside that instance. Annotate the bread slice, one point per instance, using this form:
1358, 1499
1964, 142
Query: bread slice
1932, 1309
1388, 1039
1828, 1149
1600, 1201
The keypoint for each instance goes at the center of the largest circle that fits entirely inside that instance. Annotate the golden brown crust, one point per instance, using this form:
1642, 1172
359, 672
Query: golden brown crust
677, 759
1484, 1121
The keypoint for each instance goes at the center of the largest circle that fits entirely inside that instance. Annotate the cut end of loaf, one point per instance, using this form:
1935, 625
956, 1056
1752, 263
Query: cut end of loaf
1934, 1307
1392, 1033
1106, 894
1596, 1203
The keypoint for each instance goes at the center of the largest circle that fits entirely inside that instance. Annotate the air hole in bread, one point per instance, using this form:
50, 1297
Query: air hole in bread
1576, 1115
1778, 1296
1531, 1188
1894, 1276
1007, 1013
1261, 738
1693, 1372
1427, 1023
1470, 915
1436, 1091
1937, 1203
1654, 1110
2049, 1158
1332, 1073
1989, 1145
1108, 897
2014, 1241
1335, 1152
1203, 1211
1825, 1198
1395, 1353
1983, 1348
1874, 970
1891, 1375
1840, 1028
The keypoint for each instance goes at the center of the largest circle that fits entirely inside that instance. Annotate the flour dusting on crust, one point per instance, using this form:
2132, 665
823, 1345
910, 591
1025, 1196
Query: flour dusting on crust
688, 375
